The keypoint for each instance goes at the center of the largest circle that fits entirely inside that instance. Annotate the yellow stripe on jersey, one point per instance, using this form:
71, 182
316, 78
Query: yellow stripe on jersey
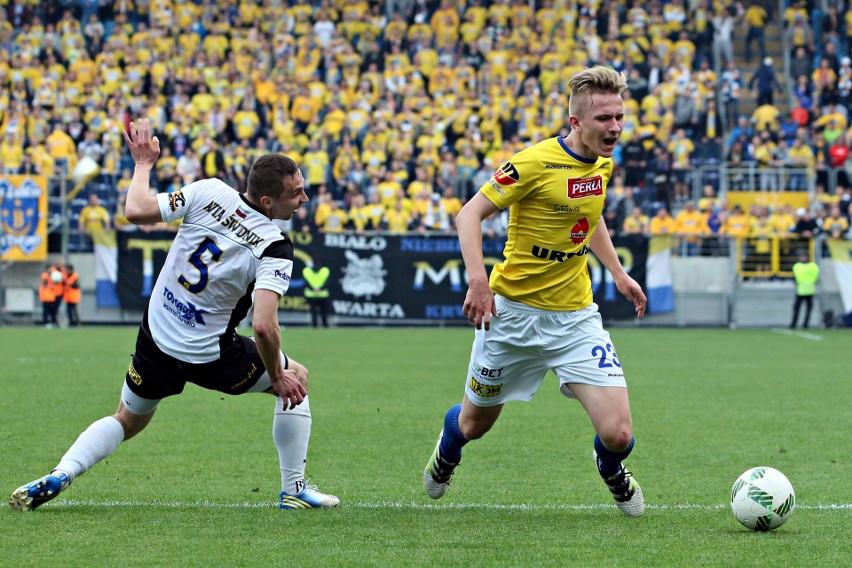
555, 199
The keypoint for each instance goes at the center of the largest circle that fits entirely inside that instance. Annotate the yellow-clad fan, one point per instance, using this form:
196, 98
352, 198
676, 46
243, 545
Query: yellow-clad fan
398, 219
738, 223
335, 220
662, 223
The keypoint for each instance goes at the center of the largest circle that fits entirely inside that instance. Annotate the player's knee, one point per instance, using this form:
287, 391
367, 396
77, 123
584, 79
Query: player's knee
473, 432
474, 429
131, 423
617, 439
302, 373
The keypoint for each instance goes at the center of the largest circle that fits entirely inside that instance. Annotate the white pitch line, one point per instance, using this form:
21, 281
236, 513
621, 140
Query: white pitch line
801, 334
399, 505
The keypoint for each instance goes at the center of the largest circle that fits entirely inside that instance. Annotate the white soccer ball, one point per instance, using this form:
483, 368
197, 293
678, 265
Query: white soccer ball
762, 499
56, 277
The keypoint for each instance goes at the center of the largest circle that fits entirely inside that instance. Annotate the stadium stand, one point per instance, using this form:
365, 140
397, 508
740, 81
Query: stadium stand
411, 104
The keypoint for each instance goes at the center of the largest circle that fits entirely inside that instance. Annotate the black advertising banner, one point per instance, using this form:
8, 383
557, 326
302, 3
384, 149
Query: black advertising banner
141, 255
388, 276
377, 277
418, 277
633, 252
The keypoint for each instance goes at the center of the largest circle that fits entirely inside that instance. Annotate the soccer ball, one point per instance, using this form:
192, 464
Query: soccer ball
762, 499
56, 277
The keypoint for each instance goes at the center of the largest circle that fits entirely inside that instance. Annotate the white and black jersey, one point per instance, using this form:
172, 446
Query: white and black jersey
224, 249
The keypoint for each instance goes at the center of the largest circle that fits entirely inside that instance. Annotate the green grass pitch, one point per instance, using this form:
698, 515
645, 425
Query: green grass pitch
198, 487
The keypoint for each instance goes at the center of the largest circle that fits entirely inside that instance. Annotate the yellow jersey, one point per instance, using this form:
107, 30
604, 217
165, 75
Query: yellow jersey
555, 199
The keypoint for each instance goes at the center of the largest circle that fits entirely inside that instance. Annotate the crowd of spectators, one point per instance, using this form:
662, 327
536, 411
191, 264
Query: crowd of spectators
399, 110
706, 226
814, 137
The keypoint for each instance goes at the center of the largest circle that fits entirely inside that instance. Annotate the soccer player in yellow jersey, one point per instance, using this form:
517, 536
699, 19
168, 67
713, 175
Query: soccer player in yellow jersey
535, 313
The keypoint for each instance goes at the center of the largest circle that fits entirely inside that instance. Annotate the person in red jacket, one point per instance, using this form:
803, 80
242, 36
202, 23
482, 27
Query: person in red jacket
838, 153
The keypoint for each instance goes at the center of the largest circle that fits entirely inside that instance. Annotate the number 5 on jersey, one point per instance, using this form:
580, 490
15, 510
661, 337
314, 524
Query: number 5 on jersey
207, 245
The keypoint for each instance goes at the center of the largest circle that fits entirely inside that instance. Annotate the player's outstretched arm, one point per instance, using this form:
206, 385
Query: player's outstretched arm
141, 208
267, 335
601, 245
479, 302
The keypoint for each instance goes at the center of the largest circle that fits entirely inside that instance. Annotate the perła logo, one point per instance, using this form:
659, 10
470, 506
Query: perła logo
585, 187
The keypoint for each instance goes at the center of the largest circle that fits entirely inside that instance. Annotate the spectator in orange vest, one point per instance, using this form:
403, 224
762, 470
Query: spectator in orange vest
72, 296
57, 284
47, 297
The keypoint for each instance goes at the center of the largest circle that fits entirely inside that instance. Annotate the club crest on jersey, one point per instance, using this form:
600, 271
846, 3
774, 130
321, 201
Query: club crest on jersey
585, 187
176, 200
579, 231
507, 174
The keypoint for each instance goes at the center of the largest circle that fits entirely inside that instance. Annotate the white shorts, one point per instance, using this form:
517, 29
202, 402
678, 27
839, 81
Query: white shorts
509, 361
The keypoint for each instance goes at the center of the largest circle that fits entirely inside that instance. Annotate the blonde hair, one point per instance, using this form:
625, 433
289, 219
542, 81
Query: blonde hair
590, 81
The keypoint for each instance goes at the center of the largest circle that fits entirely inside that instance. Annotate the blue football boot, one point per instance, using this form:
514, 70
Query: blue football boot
36, 493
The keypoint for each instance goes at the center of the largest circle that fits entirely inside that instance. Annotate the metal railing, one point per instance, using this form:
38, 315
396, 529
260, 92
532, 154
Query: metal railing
753, 256
768, 257
753, 178
749, 178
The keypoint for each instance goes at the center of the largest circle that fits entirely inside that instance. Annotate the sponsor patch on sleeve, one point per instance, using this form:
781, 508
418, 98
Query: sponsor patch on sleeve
176, 200
507, 174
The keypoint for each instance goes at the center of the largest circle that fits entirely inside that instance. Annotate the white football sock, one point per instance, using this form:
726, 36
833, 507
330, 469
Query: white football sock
97, 442
291, 431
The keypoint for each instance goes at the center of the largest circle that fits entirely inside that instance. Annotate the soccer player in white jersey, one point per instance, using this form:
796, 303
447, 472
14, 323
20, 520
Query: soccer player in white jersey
227, 250
536, 313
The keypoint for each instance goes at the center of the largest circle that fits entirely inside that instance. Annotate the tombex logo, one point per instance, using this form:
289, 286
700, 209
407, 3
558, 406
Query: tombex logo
186, 311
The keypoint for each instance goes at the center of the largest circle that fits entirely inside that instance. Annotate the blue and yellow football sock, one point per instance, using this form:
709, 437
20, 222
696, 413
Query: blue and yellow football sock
452, 441
609, 462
